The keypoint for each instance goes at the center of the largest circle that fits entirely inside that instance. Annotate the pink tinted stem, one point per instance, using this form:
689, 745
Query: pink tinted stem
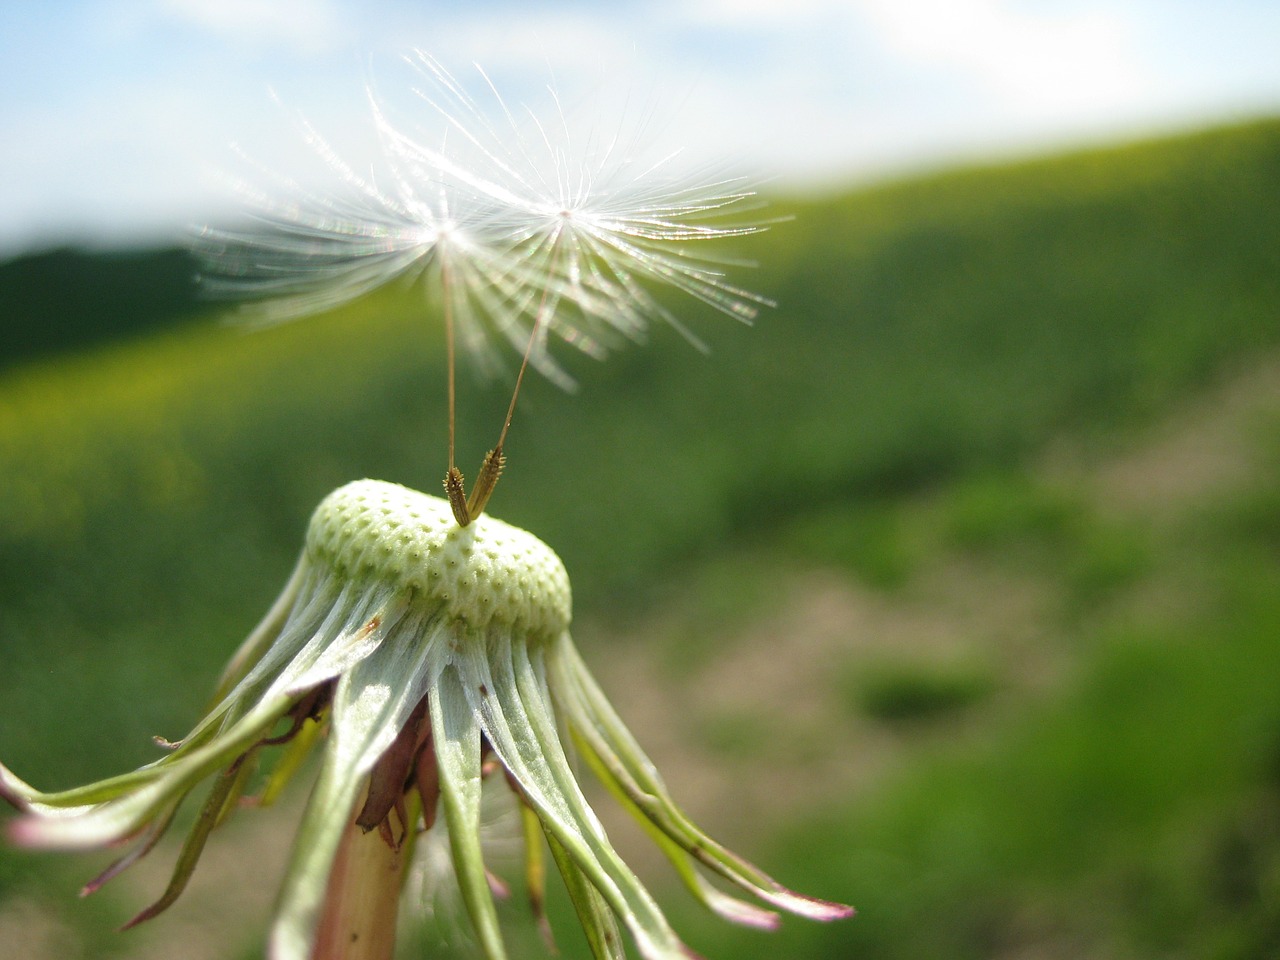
362, 899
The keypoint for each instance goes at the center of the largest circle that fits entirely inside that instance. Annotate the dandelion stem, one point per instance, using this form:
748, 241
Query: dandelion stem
496, 460
539, 322
449, 355
454, 485
362, 898
524, 365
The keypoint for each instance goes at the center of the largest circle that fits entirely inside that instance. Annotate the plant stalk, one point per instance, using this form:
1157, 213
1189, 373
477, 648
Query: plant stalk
362, 899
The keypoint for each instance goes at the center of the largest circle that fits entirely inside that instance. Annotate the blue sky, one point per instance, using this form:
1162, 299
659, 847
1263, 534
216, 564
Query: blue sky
117, 114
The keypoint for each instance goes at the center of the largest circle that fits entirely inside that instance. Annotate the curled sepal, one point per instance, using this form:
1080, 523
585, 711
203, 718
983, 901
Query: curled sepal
627, 768
112, 809
535, 869
124, 815
142, 846
226, 790
456, 735
15, 790
509, 694
67, 803
372, 703
718, 902
598, 922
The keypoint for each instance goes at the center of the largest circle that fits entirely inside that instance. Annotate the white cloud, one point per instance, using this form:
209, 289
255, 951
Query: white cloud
1056, 61
751, 14
539, 40
307, 26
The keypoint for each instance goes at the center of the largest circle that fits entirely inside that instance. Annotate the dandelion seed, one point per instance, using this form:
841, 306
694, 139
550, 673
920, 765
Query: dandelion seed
420, 650
523, 232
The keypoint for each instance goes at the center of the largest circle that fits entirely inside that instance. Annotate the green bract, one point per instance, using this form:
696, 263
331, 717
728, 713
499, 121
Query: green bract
420, 648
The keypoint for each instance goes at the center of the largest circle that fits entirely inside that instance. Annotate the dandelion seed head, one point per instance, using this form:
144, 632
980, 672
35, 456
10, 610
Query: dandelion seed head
371, 654
488, 572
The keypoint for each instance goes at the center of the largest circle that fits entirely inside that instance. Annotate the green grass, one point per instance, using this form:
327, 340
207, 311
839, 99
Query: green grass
933, 338
1107, 819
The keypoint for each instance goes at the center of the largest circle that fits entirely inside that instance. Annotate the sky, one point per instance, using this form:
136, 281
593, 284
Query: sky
122, 121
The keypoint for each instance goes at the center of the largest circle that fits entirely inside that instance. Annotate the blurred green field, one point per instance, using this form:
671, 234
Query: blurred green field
960, 571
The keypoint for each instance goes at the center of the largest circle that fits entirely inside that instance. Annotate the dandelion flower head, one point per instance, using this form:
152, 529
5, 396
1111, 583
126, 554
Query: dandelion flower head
415, 650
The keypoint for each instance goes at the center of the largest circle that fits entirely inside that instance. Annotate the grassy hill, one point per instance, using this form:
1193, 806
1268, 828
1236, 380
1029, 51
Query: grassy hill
928, 428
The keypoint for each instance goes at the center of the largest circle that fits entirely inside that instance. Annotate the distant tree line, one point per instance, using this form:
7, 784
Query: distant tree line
67, 298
